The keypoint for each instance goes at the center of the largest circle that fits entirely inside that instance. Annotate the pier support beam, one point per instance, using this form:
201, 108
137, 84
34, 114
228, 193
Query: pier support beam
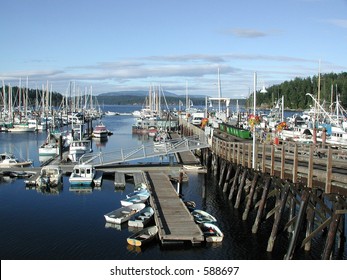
235, 181
262, 205
298, 224
242, 183
228, 178
250, 196
277, 220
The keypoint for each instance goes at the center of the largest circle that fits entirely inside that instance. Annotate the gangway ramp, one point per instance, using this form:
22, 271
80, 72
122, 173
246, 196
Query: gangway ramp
145, 151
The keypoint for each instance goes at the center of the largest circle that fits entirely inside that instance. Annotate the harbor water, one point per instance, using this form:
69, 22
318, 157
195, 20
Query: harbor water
68, 225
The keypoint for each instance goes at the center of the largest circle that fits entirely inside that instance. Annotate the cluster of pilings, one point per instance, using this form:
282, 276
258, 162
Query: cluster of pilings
304, 213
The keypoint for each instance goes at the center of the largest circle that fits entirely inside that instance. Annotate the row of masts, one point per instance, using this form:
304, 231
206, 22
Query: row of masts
16, 107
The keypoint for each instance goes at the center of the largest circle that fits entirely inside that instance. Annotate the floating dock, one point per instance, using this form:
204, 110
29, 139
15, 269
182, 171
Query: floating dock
175, 222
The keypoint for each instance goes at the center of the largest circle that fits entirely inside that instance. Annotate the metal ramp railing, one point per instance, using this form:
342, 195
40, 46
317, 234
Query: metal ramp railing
145, 151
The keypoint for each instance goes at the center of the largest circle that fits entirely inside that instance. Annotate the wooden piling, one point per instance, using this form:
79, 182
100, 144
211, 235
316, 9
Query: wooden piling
298, 224
227, 178
261, 205
222, 173
332, 233
235, 181
242, 183
277, 220
250, 196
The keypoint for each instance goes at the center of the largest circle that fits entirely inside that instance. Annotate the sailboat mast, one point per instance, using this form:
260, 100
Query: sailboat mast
219, 92
187, 98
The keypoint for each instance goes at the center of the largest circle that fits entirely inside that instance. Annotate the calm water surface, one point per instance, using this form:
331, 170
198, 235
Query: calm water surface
71, 225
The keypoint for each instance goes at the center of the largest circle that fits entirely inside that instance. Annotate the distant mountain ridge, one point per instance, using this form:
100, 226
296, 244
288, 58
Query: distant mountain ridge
139, 97
145, 93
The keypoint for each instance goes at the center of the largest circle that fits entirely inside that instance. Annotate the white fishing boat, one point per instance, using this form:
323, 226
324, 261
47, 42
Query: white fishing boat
143, 236
50, 176
21, 127
50, 147
78, 148
100, 131
124, 213
82, 175
212, 232
9, 160
142, 218
137, 198
201, 216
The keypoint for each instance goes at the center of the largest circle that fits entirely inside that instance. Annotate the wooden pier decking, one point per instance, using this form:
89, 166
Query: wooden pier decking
175, 223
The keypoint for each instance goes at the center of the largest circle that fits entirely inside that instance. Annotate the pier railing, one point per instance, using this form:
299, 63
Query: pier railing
312, 165
149, 150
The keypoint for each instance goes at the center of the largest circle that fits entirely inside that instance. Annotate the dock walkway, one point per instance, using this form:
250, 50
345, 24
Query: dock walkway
175, 223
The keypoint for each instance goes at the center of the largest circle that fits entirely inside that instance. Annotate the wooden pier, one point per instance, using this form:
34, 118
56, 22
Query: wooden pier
298, 190
175, 223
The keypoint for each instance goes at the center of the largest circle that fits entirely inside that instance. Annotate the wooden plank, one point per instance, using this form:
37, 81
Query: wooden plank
171, 215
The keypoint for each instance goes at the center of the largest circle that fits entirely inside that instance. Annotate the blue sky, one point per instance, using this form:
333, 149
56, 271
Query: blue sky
115, 45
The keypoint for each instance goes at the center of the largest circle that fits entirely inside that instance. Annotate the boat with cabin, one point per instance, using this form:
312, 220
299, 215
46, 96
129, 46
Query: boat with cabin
10, 160
50, 176
82, 175
100, 131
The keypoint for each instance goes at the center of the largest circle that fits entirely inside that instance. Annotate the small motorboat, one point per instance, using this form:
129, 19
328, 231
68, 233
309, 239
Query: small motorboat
138, 192
124, 213
201, 216
211, 232
143, 236
142, 218
9, 160
50, 176
137, 198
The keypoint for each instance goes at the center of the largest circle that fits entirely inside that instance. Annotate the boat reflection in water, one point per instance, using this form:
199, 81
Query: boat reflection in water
81, 189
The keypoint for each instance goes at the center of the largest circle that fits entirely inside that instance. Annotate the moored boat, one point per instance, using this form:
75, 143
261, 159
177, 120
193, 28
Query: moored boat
78, 148
9, 160
142, 218
201, 216
100, 131
143, 236
212, 232
123, 214
50, 176
82, 175
137, 198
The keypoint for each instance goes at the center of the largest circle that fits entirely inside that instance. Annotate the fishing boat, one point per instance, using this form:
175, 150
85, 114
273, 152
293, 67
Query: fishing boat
100, 131
137, 198
142, 218
212, 232
50, 176
82, 175
9, 160
143, 236
124, 213
201, 216
78, 148
50, 147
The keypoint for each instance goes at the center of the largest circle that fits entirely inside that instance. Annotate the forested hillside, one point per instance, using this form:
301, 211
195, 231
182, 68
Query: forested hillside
294, 91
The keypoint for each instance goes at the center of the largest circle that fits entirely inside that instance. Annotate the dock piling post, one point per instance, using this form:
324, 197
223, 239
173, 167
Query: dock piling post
298, 224
262, 205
